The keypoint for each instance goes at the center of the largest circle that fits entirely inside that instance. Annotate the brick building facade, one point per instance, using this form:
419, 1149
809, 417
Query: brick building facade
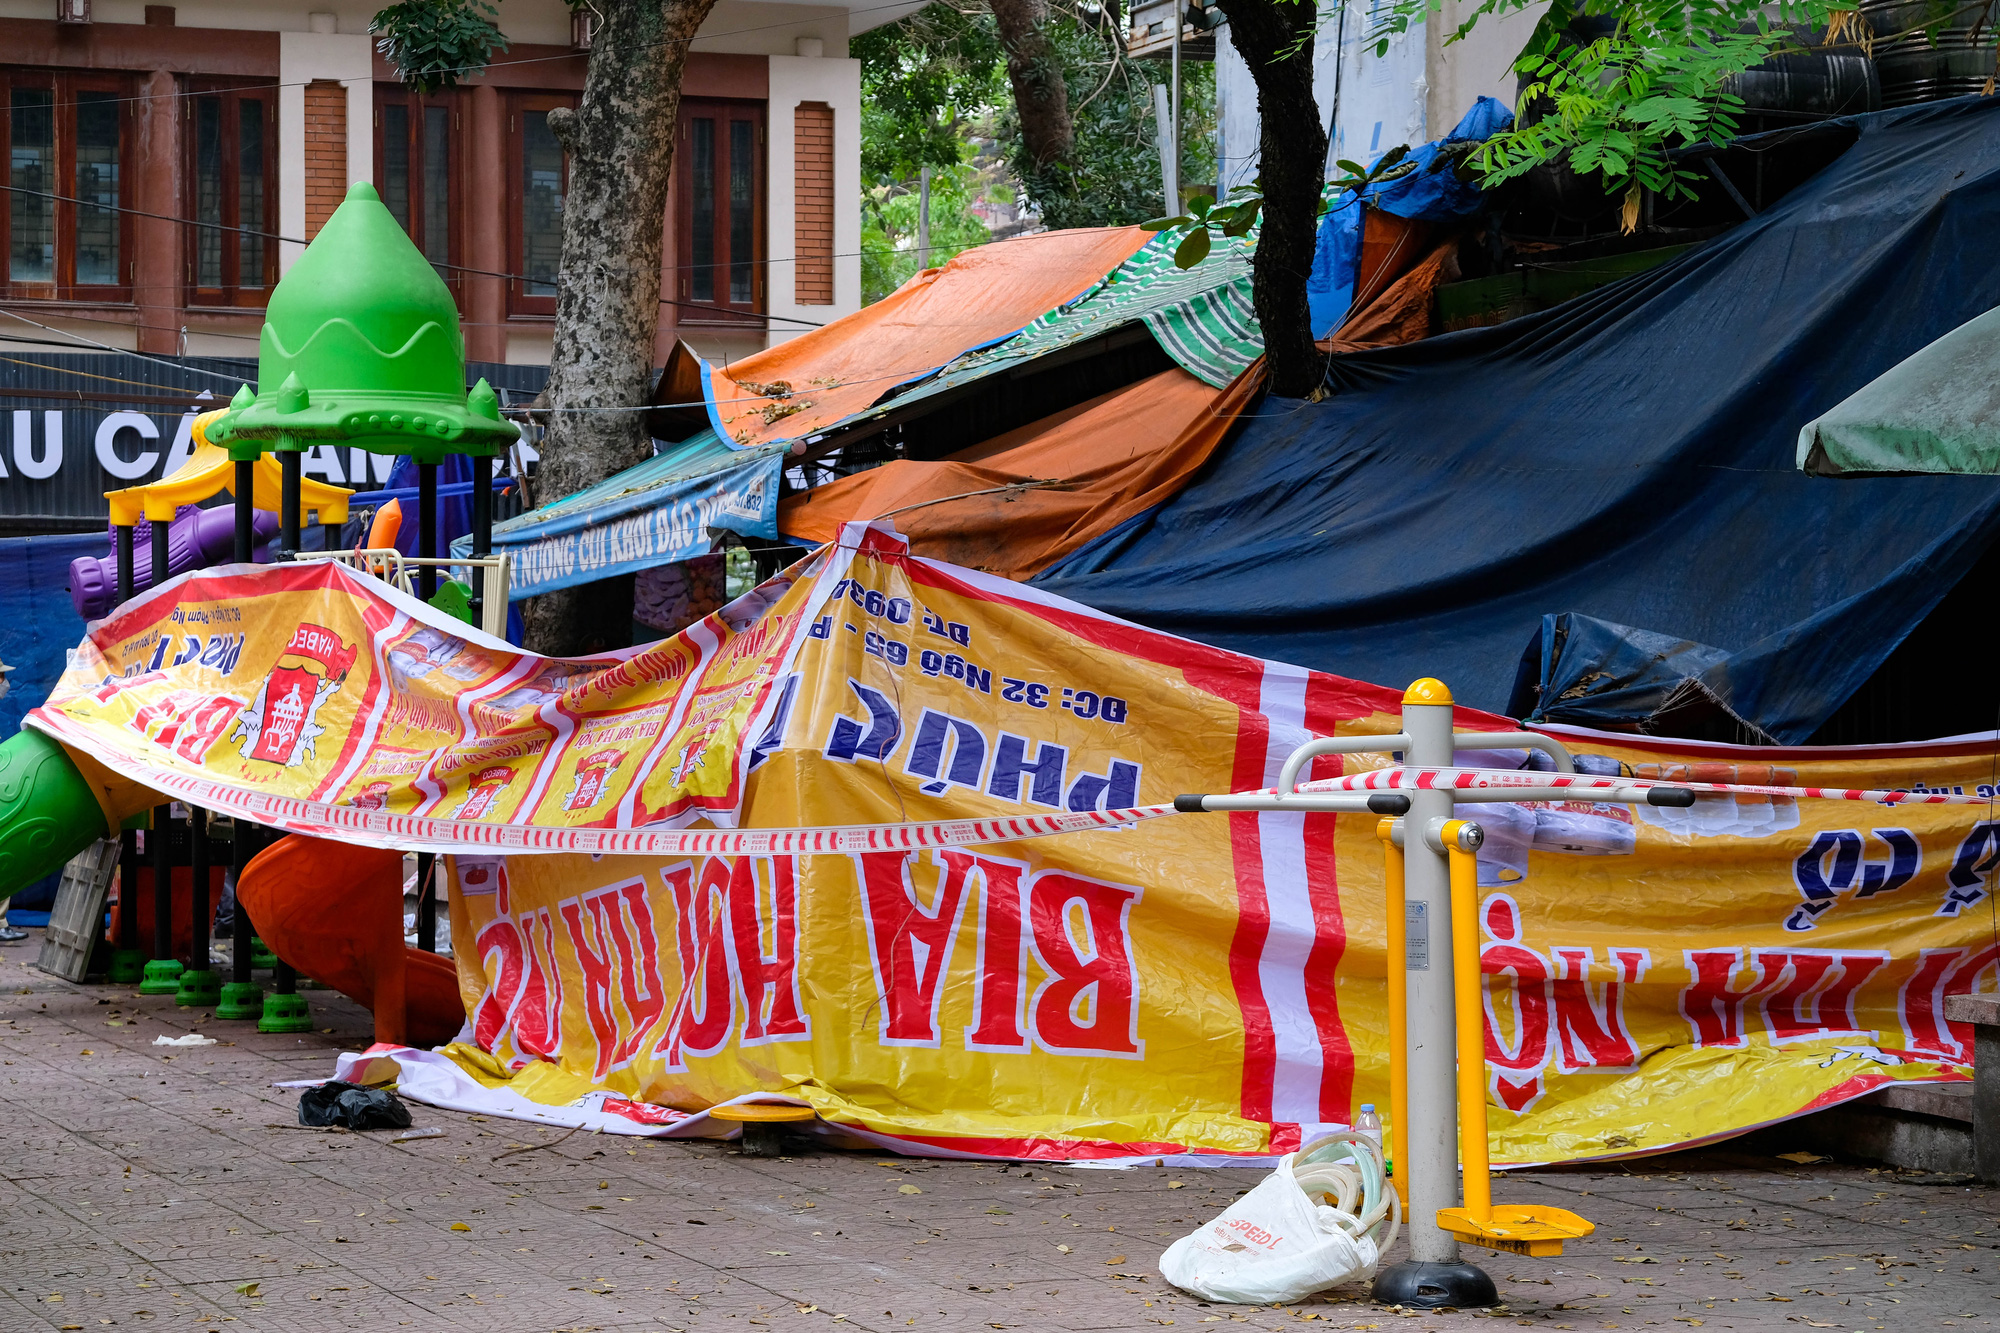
168, 162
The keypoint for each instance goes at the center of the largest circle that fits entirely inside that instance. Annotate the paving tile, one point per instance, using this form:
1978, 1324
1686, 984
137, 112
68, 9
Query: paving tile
349, 1232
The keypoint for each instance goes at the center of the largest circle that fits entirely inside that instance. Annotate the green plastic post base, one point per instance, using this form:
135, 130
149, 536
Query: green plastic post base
201, 990
128, 967
285, 1013
162, 977
261, 956
240, 999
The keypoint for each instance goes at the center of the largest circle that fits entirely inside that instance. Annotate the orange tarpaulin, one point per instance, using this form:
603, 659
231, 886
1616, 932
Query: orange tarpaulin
811, 381
1100, 463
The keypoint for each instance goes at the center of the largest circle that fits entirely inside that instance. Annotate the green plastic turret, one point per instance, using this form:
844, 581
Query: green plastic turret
361, 347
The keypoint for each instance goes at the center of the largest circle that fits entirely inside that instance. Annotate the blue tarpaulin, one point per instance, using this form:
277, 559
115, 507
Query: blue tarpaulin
1428, 192
38, 624
1627, 455
660, 511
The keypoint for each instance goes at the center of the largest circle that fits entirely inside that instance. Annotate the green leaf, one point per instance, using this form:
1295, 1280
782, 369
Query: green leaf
1200, 204
1244, 218
1193, 249
1165, 224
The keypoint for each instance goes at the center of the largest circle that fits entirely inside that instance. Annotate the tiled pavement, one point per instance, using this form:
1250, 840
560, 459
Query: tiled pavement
140, 1186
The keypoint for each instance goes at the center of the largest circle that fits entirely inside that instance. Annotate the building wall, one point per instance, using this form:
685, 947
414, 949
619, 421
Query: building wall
1413, 93
319, 52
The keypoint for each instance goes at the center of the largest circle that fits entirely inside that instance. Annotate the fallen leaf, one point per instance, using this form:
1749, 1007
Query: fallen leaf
1688, 1319
1001, 1212
782, 1254
1802, 1158
246, 1288
908, 1189
460, 1226
1637, 1259
89, 1052
1063, 1248
1176, 1184
807, 1309
1115, 1259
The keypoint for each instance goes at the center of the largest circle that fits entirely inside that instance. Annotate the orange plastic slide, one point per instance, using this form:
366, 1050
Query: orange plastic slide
335, 913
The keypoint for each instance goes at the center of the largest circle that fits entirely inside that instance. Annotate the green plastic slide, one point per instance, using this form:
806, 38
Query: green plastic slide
48, 812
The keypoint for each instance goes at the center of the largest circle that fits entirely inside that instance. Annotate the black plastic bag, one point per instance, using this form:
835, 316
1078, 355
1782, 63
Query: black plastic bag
352, 1107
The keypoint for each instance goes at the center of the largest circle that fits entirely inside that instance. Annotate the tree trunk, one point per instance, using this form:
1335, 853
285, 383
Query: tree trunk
620, 143
1292, 143
1034, 67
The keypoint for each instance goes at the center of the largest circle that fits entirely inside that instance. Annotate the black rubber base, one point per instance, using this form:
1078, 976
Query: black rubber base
1416, 1286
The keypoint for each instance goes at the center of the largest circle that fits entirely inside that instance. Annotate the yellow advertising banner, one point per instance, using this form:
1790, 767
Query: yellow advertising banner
893, 839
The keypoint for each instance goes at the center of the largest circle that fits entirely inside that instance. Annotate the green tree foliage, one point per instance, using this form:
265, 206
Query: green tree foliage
889, 227
935, 82
435, 43
1113, 177
1617, 86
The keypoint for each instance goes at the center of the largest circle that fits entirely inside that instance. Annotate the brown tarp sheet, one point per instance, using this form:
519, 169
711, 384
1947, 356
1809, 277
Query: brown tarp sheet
809, 382
1401, 311
1018, 502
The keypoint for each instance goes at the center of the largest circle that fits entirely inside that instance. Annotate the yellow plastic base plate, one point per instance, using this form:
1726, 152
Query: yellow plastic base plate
762, 1113
1531, 1229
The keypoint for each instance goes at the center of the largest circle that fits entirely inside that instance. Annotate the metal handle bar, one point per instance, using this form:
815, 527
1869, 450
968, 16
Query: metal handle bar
1312, 803
1495, 740
1288, 776
1676, 797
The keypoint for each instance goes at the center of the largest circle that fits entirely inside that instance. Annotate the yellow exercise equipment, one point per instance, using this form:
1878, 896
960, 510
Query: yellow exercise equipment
1531, 1229
207, 473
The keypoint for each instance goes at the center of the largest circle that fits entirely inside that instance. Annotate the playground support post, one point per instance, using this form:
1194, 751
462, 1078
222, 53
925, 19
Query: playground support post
427, 927
241, 997
246, 510
482, 530
163, 970
198, 983
161, 530
427, 529
288, 504
285, 1010
127, 958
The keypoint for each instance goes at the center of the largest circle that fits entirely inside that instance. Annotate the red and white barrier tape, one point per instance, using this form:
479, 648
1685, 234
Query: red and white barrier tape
1486, 779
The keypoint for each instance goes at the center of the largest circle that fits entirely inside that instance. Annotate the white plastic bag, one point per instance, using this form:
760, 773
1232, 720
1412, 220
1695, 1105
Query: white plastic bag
1277, 1244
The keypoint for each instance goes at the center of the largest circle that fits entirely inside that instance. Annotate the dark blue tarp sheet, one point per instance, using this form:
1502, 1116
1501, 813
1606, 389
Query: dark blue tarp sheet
1627, 455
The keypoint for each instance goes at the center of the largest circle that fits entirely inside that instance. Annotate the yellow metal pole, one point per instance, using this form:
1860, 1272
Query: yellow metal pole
1399, 999
1470, 1007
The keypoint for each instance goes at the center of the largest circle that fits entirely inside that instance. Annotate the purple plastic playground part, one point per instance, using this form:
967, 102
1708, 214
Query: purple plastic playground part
197, 538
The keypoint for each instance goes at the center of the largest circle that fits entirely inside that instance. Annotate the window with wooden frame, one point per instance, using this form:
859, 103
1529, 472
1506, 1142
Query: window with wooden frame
538, 182
416, 171
232, 175
719, 180
69, 138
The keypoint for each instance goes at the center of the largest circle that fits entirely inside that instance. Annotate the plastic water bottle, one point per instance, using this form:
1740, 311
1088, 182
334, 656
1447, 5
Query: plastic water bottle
1369, 1124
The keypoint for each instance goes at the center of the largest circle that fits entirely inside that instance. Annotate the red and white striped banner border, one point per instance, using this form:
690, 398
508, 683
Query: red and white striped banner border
423, 833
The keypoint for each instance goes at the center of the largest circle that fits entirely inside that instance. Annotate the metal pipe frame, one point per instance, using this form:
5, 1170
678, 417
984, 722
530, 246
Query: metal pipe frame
1507, 740
1288, 776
